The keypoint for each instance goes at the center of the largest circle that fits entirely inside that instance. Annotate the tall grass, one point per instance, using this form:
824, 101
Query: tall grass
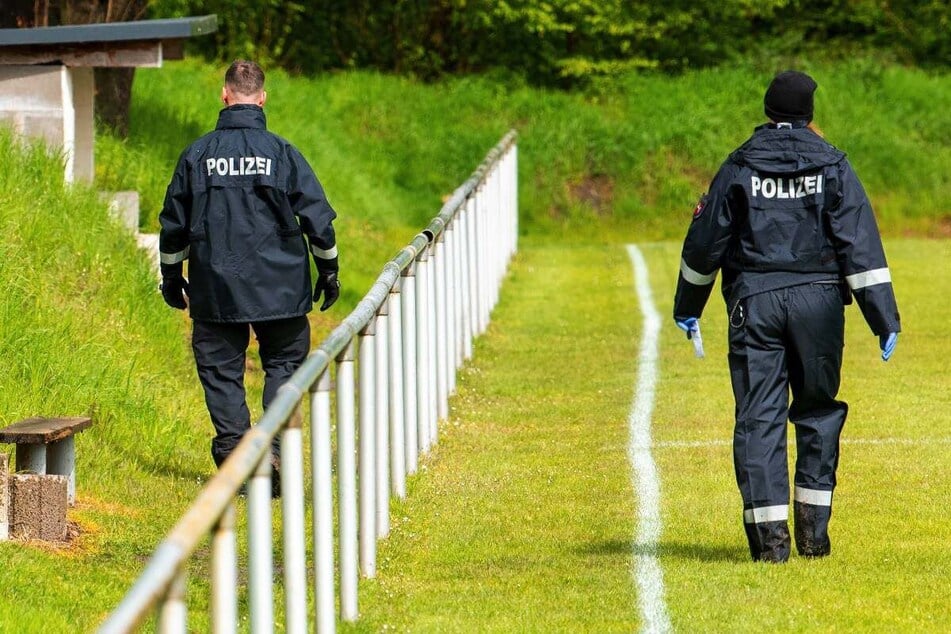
627, 158
84, 332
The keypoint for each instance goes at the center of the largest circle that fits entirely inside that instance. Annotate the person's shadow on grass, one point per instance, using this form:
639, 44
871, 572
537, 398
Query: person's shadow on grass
696, 551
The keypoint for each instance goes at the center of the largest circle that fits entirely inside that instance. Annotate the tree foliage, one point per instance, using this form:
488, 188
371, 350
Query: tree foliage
554, 42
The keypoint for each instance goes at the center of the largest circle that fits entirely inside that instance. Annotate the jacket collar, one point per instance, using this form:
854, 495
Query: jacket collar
241, 116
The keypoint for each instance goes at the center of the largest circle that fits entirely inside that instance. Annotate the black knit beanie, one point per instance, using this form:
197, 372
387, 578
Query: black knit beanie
789, 97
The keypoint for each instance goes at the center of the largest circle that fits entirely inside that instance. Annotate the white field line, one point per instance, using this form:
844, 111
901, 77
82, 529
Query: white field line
647, 572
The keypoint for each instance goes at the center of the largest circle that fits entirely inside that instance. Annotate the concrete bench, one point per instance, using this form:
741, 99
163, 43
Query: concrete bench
45, 446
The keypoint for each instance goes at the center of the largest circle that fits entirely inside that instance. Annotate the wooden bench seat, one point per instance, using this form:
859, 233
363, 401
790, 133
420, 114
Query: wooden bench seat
45, 446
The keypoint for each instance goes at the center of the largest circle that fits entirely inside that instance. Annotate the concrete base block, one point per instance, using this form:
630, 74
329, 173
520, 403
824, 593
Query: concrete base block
53, 103
38, 507
4, 497
124, 207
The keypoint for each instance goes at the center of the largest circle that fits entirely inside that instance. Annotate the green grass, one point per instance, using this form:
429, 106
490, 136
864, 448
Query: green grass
889, 554
83, 333
628, 158
523, 517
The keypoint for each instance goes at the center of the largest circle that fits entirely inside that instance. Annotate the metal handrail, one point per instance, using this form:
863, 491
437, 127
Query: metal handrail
483, 209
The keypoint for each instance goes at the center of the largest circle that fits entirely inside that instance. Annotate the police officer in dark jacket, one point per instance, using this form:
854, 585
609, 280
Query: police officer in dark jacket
238, 208
788, 222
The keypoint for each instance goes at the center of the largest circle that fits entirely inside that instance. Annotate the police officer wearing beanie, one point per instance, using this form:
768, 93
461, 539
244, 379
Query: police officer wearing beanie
790, 226
238, 209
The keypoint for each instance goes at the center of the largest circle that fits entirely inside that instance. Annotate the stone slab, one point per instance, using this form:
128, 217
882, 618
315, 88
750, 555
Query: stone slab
38, 507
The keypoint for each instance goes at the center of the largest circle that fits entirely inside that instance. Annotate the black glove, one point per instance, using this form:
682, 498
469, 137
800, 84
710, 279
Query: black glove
329, 285
173, 287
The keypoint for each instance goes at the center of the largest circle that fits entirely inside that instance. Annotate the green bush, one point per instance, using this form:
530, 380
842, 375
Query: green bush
562, 42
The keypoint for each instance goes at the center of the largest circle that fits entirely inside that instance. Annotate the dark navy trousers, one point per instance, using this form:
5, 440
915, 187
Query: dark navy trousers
782, 341
220, 350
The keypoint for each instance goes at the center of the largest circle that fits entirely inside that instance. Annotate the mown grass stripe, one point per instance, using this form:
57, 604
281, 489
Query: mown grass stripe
647, 570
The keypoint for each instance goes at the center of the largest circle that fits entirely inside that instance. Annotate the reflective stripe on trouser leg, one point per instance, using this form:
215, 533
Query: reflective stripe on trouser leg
767, 532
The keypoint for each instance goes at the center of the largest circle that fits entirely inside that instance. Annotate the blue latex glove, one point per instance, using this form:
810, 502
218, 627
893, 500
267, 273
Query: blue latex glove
887, 343
689, 325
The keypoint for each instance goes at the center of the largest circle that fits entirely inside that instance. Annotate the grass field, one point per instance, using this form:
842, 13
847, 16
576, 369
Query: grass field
523, 518
525, 521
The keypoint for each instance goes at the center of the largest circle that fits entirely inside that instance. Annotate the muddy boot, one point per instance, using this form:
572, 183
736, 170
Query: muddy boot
812, 529
769, 541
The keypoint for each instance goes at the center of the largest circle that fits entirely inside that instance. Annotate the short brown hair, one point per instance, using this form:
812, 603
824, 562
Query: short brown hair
245, 77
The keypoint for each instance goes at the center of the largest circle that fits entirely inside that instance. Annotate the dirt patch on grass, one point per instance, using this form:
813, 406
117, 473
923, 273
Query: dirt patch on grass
74, 544
943, 227
934, 228
595, 191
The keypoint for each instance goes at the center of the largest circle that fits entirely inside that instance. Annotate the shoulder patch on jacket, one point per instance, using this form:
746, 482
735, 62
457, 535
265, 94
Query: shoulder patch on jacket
701, 204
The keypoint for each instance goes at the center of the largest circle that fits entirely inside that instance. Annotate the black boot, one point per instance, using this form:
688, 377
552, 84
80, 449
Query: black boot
769, 541
812, 529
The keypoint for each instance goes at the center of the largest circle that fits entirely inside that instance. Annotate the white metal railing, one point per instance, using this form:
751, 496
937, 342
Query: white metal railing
402, 345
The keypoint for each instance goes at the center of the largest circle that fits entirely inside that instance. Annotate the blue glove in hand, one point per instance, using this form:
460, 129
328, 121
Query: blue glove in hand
689, 325
887, 343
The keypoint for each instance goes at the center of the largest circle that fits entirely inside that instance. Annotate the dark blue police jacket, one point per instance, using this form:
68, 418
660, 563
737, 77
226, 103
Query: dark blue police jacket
786, 208
238, 207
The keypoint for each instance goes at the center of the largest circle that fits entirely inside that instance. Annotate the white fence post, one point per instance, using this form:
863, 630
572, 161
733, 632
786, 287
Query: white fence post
450, 286
381, 388
347, 483
397, 431
410, 372
432, 350
292, 505
441, 330
173, 616
261, 556
366, 458
224, 571
422, 350
323, 504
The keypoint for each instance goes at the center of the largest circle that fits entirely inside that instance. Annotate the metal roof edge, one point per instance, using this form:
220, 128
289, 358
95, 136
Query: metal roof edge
165, 29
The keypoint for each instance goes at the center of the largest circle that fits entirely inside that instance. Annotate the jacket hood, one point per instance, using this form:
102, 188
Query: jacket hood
241, 116
786, 151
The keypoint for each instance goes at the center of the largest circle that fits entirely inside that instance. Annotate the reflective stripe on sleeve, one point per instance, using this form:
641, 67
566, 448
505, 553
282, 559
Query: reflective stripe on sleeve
174, 258
762, 514
697, 279
814, 497
324, 254
868, 278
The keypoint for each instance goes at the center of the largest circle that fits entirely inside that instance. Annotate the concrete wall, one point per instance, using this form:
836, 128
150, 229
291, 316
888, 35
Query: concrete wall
55, 104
